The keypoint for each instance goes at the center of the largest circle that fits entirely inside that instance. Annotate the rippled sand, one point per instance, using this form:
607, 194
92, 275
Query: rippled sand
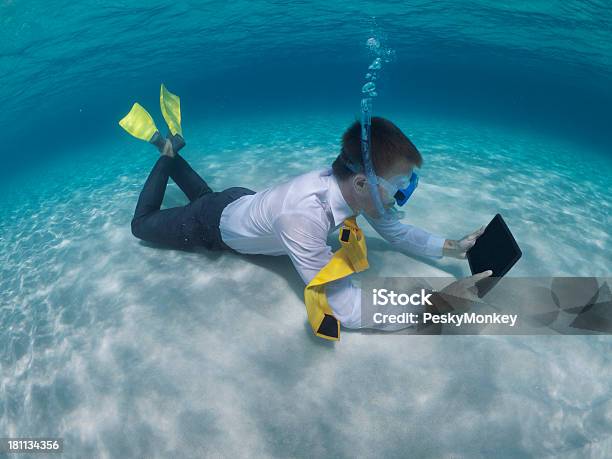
129, 350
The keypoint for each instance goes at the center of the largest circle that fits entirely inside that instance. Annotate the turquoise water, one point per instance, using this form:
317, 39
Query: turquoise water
122, 349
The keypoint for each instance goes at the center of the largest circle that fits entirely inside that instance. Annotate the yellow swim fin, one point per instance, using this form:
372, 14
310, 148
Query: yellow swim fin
139, 123
171, 109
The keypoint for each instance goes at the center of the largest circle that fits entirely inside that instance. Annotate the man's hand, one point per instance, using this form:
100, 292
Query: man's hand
457, 297
462, 293
458, 249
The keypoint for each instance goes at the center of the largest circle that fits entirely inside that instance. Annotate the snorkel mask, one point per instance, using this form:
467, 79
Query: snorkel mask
400, 188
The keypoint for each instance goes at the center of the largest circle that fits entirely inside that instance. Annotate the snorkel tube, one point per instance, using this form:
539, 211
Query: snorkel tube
401, 193
368, 91
366, 154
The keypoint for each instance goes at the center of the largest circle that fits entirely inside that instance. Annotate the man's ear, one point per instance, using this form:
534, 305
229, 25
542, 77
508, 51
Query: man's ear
360, 183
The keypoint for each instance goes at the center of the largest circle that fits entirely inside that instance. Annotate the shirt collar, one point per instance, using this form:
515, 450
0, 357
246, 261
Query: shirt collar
340, 209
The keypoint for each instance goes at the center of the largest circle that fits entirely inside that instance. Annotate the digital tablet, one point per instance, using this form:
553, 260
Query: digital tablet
497, 250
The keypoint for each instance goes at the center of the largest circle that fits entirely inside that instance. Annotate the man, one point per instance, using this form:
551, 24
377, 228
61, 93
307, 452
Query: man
295, 217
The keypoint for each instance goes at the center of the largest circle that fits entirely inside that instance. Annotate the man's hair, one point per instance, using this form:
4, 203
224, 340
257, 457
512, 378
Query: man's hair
388, 142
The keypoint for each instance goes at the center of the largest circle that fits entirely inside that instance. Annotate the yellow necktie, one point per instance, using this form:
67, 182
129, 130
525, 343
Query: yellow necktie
350, 258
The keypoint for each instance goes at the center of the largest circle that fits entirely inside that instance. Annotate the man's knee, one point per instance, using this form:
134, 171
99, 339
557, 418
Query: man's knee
137, 227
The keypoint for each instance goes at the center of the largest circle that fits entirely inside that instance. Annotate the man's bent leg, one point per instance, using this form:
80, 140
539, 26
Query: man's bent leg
196, 224
152, 224
188, 180
153, 191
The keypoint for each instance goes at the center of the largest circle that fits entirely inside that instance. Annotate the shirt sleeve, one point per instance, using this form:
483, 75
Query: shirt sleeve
305, 240
407, 238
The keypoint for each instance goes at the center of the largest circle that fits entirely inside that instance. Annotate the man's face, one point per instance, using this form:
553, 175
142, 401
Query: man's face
401, 168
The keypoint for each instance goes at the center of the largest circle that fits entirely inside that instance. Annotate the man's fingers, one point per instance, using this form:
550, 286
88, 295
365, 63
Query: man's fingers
483, 275
478, 232
467, 244
473, 236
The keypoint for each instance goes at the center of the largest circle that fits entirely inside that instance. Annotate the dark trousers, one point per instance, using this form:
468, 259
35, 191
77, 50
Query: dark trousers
193, 225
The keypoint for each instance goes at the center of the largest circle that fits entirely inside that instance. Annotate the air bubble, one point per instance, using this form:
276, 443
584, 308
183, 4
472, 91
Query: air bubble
368, 88
373, 43
376, 65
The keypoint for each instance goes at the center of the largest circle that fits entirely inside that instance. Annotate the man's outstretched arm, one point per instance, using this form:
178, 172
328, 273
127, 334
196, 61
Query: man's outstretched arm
407, 238
416, 241
305, 240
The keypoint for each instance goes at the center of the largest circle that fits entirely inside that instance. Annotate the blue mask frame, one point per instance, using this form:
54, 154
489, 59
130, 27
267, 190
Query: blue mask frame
403, 194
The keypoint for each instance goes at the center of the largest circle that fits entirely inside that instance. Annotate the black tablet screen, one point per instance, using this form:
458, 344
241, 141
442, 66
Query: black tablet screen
496, 249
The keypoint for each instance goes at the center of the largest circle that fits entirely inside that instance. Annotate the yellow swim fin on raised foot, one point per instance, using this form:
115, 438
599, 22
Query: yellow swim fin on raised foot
139, 123
170, 105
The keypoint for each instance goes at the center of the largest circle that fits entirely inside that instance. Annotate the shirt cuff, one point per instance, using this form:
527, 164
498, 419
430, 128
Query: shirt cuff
435, 244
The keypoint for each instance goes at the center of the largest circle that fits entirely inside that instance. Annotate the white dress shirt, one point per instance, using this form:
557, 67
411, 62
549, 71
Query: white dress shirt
295, 218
